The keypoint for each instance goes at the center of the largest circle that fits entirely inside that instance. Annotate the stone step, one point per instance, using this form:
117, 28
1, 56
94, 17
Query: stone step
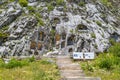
71, 71
69, 66
66, 75
64, 62
63, 57
81, 78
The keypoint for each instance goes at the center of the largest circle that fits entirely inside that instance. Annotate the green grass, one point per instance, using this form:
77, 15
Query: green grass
50, 7
3, 35
37, 70
60, 2
106, 2
115, 49
106, 65
23, 3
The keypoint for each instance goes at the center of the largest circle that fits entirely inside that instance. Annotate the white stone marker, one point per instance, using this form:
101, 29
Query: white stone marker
84, 55
77, 55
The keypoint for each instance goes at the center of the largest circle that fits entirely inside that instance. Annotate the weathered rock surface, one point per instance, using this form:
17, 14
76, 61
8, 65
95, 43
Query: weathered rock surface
72, 27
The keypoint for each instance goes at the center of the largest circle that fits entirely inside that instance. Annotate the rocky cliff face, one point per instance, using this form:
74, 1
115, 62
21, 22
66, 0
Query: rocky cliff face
63, 25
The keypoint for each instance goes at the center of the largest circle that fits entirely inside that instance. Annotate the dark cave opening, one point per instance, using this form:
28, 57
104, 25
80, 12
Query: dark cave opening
70, 40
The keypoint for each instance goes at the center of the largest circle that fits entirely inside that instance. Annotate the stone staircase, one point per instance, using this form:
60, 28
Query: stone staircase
70, 70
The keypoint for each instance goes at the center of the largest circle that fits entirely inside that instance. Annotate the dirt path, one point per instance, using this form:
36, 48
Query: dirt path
70, 70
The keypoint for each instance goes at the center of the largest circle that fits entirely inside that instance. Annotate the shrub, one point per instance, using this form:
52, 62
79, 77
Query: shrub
115, 49
60, 2
93, 35
50, 7
31, 9
112, 41
32, 59
13, 63
40, 22
3, 35
107, 3
87, 66
1, 63
81, 4
12, 0
106, 61
44, 62
98, 23
23, 3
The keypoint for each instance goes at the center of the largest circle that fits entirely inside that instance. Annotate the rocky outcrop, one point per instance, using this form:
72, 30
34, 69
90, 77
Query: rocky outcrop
79, 25
9, 18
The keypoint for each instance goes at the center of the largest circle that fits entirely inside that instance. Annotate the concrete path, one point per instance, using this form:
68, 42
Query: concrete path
70, 70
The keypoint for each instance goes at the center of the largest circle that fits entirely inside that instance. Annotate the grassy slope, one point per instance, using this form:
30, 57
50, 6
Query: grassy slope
104, 74
39, 70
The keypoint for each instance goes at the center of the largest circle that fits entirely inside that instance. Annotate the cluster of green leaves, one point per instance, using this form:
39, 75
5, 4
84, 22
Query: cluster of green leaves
40, 22
31, 9
3, 34
50, 7
60, 2
115, 49
108, 62
11, 0
107, 3
98, 23
23, 3
81, 3
93, 35
13, 63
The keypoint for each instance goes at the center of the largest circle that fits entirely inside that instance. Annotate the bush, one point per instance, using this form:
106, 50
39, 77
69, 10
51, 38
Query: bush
93, 35
23, 3
60, 2
50, 7
112, 41
106, 61
87, 66
40, 22
15, 63
98, 23
107, 3
32, 59
44, 62
81, 4
31, 9
3, 35
1, 63
115, 49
